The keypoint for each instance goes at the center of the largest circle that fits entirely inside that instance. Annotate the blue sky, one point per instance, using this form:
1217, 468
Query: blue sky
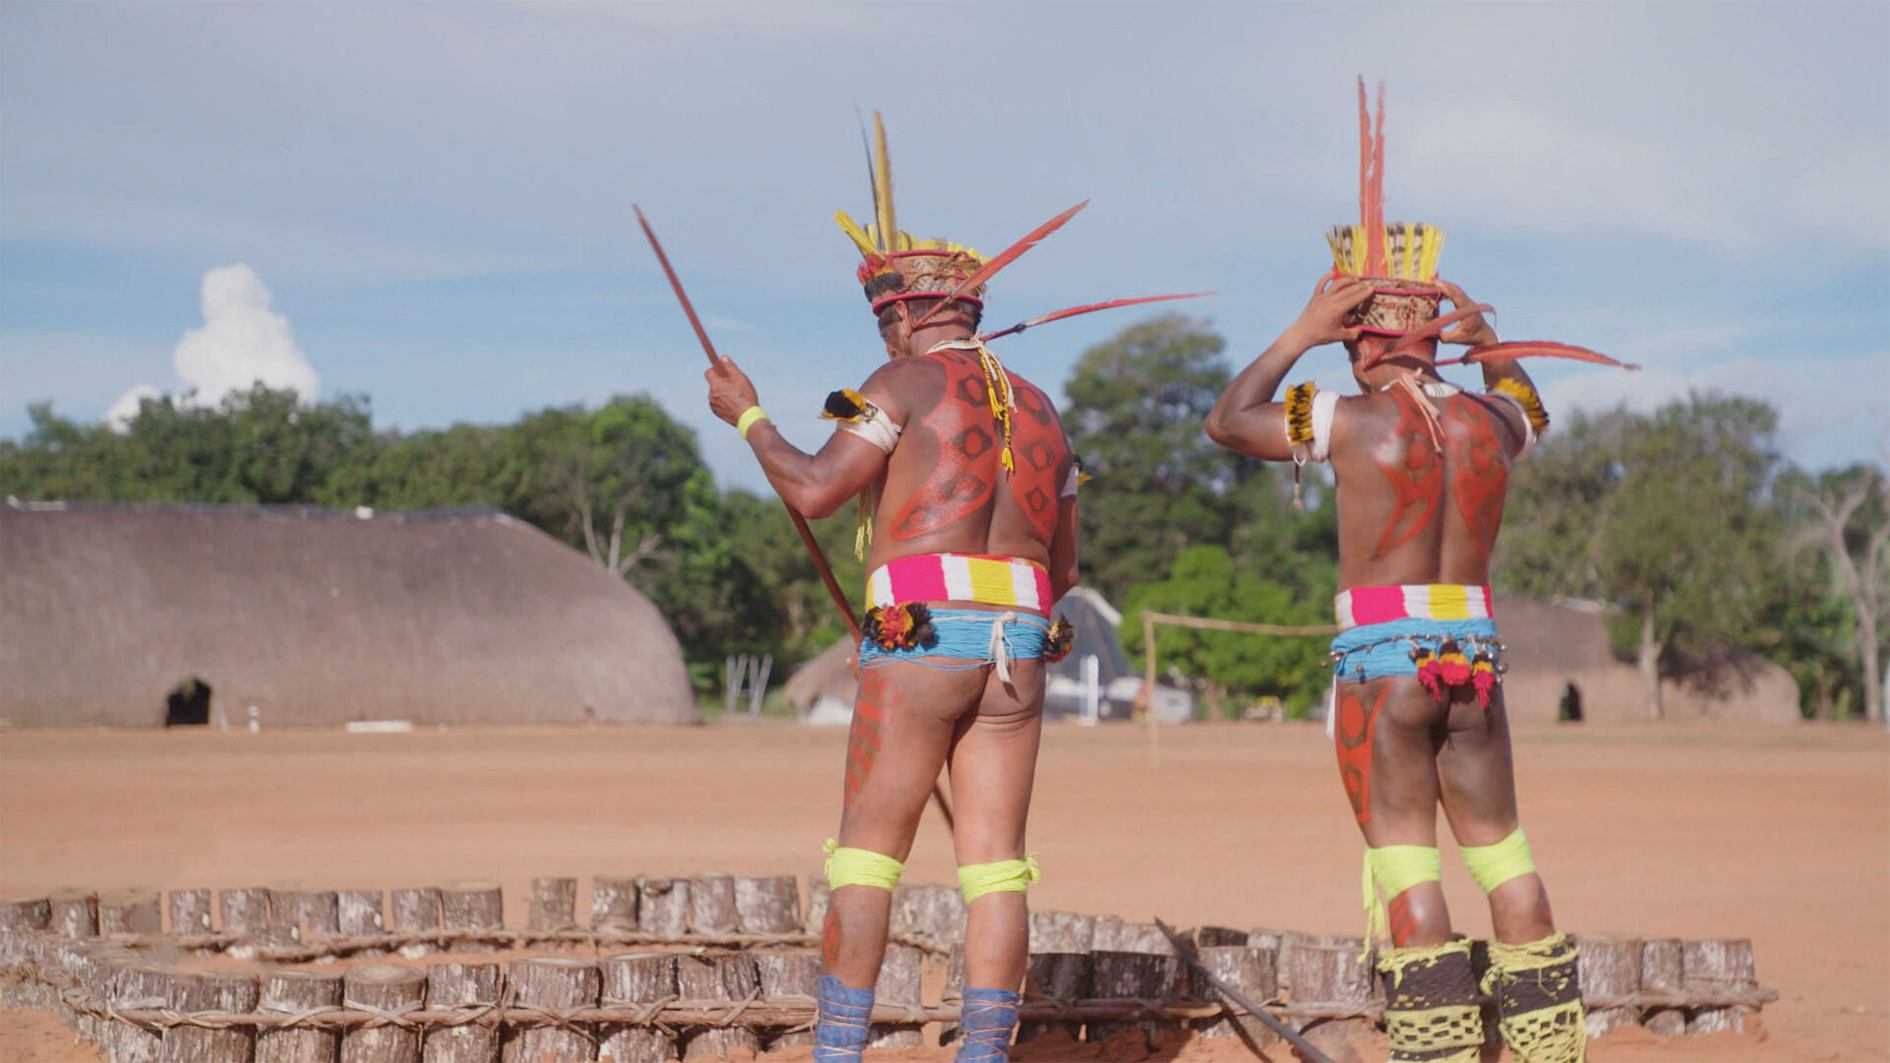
436, 197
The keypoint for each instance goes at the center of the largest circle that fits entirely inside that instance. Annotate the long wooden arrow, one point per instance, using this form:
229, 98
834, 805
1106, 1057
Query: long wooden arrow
1186, 952
1058, 315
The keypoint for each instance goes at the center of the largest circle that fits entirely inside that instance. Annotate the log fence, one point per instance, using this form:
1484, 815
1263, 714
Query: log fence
722, 967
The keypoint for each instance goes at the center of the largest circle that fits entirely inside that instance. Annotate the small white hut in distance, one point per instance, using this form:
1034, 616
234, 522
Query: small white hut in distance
136, 616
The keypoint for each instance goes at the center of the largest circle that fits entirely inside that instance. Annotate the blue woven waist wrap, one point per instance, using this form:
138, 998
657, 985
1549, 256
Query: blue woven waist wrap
968, 634
1373, 651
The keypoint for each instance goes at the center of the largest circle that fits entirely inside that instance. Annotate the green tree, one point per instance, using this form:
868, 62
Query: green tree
1838, 614
1665, 515
1135, 413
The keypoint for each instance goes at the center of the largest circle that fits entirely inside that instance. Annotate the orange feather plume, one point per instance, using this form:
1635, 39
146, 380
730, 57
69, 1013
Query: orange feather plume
1010, 254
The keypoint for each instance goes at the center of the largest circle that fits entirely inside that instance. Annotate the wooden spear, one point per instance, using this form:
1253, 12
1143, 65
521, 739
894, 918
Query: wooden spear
1186, 952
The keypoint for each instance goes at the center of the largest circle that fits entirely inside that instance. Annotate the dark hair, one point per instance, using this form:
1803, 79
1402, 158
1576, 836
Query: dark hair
889, 314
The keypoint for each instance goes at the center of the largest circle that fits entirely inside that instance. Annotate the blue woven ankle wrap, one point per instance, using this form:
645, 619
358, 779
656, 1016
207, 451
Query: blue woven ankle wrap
988, 1018
845, 1014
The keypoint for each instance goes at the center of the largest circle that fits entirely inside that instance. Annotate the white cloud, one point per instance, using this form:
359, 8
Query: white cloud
242, 342
125, 410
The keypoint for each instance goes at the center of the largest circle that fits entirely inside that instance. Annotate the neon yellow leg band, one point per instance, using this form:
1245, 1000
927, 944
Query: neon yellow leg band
1001, 876
861, 867
1493, 865
1390, 870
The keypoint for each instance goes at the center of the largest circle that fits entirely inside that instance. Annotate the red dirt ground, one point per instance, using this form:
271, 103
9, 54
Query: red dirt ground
1780, 834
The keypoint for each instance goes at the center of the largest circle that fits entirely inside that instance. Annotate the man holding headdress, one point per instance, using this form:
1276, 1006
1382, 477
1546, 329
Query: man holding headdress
1422, 467
964, 469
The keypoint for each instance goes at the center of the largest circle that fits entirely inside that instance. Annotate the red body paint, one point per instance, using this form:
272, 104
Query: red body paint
863, 740
1480, 466
1353, 741
1416, 472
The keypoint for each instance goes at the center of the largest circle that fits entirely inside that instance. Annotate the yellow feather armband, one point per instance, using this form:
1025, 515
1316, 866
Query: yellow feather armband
1527, 398
1299, 424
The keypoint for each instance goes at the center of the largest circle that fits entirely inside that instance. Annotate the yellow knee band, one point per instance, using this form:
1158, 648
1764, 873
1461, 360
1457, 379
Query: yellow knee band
1390, 870
1493, 865
861, 867
1000, 876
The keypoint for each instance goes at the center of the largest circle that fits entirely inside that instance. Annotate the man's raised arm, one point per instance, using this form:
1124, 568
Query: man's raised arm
813, 484
1246, 419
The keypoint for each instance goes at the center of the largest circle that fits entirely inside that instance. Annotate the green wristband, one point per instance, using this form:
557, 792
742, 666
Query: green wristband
748, 418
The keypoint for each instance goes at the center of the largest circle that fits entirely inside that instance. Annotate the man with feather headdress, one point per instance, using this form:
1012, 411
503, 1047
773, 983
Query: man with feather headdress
964, 469
1422, 467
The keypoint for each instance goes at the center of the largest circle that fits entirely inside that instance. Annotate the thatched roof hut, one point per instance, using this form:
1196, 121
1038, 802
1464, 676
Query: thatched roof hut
318, 616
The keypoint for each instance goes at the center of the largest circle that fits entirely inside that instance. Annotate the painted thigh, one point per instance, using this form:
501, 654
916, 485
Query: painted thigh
902, 730
1386, 750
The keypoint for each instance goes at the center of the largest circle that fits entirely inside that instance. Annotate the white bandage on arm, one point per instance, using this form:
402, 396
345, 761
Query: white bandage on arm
1522, 414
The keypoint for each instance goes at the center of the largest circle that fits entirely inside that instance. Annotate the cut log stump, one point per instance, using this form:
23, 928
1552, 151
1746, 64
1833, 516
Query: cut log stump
414, 910
901, 976
791, 977
293, 993
211, 991
1660, 972
1143, 975
729, 976
131, 912
1717, 967
73, 913
463, 985
633, 979
1250, 972
1062, 932
189, 911
712, 904
1327, 970
554, 985
663, 905
1610, 969
139, 985
390, 988
768, 905
472, 904
613, 902
553, 904
1055, 976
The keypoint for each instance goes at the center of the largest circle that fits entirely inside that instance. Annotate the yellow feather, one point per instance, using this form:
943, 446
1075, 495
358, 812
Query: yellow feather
882, 187
1412, 234
855, 233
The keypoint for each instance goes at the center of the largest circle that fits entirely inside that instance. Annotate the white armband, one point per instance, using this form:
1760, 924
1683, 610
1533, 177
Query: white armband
852, 413
1528, 425
1308, 422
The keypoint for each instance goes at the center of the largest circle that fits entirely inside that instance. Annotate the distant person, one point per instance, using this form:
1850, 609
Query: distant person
963, 468
1422, 467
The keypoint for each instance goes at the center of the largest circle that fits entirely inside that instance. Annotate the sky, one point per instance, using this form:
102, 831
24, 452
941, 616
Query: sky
430, 204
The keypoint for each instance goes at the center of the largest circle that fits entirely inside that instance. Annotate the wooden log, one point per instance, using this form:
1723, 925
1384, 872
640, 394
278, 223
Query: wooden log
316, 913
1250, 972
929, 913
900, 984
613, 902
390, 988
414, 909
1132, 937
243, 911
359, 912
85, 965
292, 993
1327, 971
210, 991
130, 912
553, 904
787, 977
1610, 969
955, 973
21, 920
1104, 933
632, 979
663, 905
1055, 977
1717, 966
463, 985
472, 904
1141, 975
1213, 937
769, 905
73, 913
724, 976
712, 904
189, 911
554, 985
137, 985
1062, 932
23, 915
819, 896
1660, 972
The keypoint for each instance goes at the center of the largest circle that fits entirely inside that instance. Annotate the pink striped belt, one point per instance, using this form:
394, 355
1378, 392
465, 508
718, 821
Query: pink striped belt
982, 578
1413, 601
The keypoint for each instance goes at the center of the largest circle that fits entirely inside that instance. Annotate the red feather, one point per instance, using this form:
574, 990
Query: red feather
1429, 329
1509, 352
1073, 311
1010, 254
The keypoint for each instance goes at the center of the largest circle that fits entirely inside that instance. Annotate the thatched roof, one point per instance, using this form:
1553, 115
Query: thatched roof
320, 616
826, 675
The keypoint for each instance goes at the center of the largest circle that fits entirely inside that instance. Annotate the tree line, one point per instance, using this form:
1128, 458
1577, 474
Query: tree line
1687, 521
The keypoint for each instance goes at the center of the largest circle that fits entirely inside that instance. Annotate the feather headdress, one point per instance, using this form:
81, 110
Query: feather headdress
898, 265
1400, 258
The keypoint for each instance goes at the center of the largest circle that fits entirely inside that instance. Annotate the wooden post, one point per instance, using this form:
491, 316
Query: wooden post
791, 978
663, 905
73, 913
137, 985
130, 912
553, 904
294, 992
1114, 935
901, 978
819, 896
21, 920
211, 991
243, 911
463, 985
727, 976
1062, 932
1211, 937
1326, 970
472, 904
930, 913
1144, 975
613, 902
390, 988
316, 912
189, 911
1251, 973
633, 979
770, 905
1660, 972
1610, 969
712, 904
1717, 966
414, 910
1055, 976
359, 912
554, 985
